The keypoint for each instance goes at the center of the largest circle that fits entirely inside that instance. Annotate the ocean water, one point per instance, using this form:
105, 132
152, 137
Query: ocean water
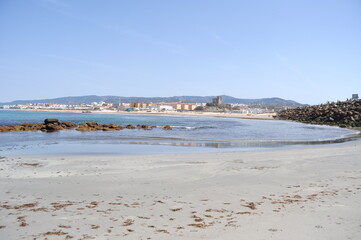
189, 134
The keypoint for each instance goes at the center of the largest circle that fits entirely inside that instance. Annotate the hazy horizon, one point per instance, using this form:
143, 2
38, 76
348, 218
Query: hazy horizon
306, 51
140, 97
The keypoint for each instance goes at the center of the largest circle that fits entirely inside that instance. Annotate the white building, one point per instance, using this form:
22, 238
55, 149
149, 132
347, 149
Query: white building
161, 108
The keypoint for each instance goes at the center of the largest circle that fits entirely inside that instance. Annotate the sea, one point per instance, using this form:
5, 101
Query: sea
190, 134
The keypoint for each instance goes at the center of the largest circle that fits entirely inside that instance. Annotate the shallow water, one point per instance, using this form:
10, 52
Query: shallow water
202, 134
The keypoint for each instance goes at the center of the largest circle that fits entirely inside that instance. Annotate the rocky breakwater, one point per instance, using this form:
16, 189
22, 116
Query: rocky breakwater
342, 114
52, 125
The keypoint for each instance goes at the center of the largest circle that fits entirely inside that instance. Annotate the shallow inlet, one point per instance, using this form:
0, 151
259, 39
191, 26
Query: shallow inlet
189, 134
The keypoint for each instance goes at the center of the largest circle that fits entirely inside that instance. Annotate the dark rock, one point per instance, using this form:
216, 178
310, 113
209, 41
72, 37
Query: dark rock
51, 121
130, 126
144, 127
343, 114
111, 127
167, 127
37, 127
115, 126
92, 124
87, 127
68, 125
52, 127
18, 128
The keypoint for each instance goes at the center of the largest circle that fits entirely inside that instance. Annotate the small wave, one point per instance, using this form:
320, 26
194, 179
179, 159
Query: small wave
192, 128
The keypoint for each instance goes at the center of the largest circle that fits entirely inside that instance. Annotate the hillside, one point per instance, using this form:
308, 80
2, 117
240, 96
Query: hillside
190, 99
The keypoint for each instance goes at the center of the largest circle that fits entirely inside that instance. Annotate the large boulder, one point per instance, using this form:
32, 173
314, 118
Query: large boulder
51, 125
51, 121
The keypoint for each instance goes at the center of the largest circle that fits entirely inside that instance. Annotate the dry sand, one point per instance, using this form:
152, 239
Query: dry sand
310, 193
259, 116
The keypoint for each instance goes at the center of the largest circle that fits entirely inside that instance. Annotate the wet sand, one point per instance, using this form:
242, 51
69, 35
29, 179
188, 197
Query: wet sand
309, 193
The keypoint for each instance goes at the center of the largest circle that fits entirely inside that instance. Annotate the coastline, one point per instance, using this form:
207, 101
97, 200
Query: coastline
262, 116
308, 193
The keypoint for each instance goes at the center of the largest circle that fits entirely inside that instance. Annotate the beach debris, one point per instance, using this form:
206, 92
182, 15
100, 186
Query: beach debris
198, 225
128, 222
217, 210
273, 230
60, 205
93, 204
30, 164
175, 209
55, 233
250, 205
243, 213
26, 205
22, 221
93, 226
64, 226
197, 219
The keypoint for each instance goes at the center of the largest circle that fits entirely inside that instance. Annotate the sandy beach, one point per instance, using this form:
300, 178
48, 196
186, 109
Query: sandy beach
309, 193
260, 116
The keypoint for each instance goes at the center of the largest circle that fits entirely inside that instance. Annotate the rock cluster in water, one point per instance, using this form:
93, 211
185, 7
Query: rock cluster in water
52, 125
343, 114
49, 125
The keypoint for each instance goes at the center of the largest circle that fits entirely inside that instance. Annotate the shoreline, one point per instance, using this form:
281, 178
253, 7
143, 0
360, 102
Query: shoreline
262, 116
308, 193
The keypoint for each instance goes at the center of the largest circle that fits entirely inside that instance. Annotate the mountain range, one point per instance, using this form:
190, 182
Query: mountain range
190, 99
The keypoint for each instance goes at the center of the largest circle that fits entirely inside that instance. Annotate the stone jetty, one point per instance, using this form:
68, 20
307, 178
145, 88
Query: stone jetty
342, 114
52, 125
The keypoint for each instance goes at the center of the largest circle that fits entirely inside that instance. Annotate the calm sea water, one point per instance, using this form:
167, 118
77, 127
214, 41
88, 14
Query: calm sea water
189, 134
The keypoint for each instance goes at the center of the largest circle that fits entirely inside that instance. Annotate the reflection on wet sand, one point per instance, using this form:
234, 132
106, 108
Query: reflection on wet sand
229, 144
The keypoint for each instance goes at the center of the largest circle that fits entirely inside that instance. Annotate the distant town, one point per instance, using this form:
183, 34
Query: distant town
215, 106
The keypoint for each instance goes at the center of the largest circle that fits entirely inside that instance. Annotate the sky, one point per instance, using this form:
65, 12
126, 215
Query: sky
303, 50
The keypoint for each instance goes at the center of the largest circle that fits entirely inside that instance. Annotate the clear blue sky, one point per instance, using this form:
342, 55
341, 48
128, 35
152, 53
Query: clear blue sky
308, 51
